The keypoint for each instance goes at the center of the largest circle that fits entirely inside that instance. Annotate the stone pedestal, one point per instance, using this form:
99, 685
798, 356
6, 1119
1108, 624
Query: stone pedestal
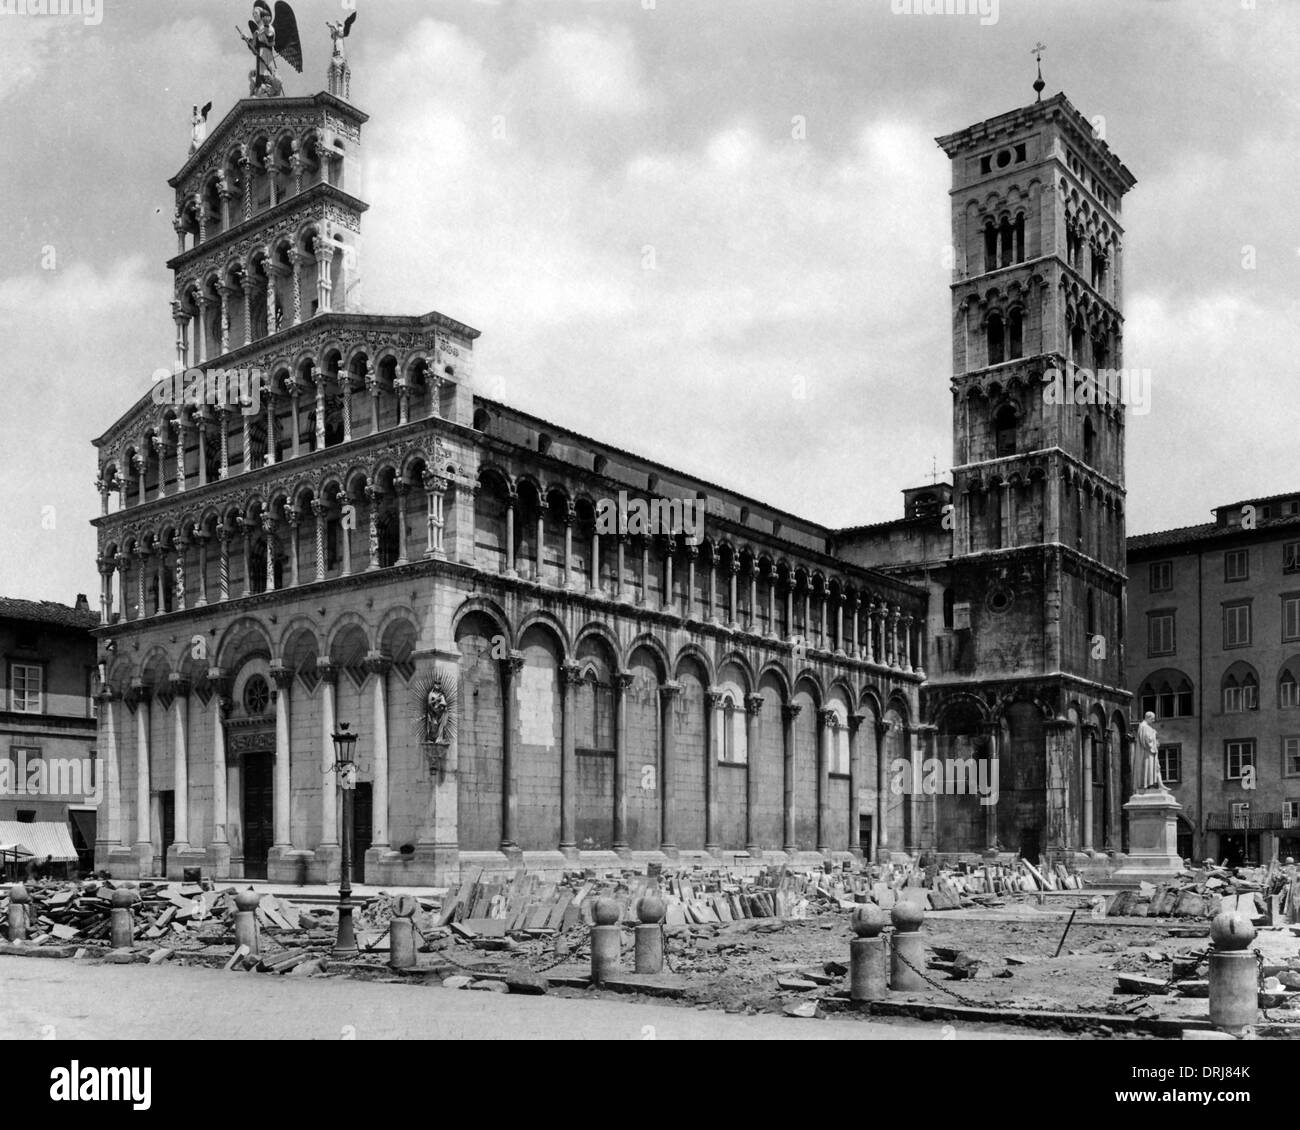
1153, 838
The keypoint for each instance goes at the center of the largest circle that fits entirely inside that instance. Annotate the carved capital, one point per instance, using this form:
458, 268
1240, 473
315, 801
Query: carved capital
670, 691
753, 703
790, 711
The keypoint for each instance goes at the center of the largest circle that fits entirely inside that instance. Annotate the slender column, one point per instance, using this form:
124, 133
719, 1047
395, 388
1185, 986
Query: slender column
692, 552
270, 270
622, 680
373, 495
203, 448
434, 487
109, 830
345, 534
181, 428
296, 258
268, 528
567, 516
223, 423
712, 703
542, 507
918, 653
401, 489
667, 838
379, 665
320, 378
825, 720
839, 624
160, 451
753, 705
906, 622
733, 607
1089, 737
622, 554
204, 304
294, 518
329, 820
220, 705
807, 612
789, 607
666, 597
403, 401
570, 677
891, 641
510, 535
246, 554
712, 596
510, 668
991, 730
822, 600
142, 610
435, 394
224, 293
856, 651
373, 388
324, 275
122, 564
645, 569
593, 570
345, 386
753, 594
143, 835
882, 796
180, 319
223, 562
855, 783
161, 581
268, 457
283, 677
180, 688
245, 178
182, 547
789, 713
318, 508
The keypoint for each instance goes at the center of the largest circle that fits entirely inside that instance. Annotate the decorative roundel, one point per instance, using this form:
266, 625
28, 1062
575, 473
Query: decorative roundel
257, 695
1000, 599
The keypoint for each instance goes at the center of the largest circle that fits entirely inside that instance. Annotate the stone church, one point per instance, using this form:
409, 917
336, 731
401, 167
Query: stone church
318, 520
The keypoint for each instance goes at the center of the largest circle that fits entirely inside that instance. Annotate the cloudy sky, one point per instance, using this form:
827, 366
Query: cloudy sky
668, 218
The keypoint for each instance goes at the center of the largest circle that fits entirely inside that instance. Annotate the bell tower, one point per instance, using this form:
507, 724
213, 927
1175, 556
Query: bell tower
1035, 597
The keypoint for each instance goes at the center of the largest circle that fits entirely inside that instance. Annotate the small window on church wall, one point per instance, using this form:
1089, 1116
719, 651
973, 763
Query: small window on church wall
1015, 343
949, 602
1089, 440
990, 247
995, 340
1004, 426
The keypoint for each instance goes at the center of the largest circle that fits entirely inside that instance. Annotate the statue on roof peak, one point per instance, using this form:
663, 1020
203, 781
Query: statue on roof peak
271, 36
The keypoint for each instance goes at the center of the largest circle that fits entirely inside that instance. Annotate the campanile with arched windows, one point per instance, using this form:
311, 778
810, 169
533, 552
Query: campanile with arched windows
1036, 584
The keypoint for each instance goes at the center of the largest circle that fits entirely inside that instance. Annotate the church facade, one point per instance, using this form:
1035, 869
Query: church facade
318, 520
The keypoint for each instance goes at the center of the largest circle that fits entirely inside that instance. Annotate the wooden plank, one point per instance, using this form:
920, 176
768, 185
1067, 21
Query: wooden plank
555, 919
450, 904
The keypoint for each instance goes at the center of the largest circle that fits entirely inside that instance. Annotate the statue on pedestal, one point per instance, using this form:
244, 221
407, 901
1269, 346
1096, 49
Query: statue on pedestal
199, 126
1146, 758
271, 37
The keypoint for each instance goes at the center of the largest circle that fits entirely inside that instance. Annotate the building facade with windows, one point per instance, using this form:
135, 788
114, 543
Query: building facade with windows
321, 522
1214, 619
49, 772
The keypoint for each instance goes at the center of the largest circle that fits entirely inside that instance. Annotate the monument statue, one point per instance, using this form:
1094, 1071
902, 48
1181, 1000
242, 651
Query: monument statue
1146, 757
271, 37
199, 126
339, 30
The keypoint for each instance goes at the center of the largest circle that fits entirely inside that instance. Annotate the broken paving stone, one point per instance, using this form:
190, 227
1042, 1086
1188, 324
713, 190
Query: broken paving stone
796, 984
835, 968
458, 982
804, 1010
490, 986
527, 982
816, 976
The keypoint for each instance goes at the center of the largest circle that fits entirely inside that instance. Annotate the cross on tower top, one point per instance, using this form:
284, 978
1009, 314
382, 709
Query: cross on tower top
1037, 51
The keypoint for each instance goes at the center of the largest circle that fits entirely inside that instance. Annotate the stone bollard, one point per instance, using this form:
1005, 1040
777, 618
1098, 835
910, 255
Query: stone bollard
650, 934
121, 930
606, 937
868, 955
907, 958
18, 900
246, 920
401, 934
1234, 973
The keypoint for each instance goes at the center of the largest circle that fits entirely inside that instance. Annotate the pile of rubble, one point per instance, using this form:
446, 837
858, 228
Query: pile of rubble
1265, 895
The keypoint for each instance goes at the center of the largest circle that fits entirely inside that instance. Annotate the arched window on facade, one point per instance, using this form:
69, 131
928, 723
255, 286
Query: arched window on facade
1015, 334
1089, 440
1004, 431
996, 340
1288, 685
1240, 689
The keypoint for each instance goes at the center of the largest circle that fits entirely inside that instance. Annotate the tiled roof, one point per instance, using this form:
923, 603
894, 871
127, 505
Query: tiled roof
45, 612
1208, 531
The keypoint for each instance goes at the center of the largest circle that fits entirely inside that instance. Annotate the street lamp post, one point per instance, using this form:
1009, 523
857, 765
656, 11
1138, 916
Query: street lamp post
345, 744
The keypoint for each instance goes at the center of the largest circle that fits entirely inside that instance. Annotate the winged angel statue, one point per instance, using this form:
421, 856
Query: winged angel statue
271, 37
